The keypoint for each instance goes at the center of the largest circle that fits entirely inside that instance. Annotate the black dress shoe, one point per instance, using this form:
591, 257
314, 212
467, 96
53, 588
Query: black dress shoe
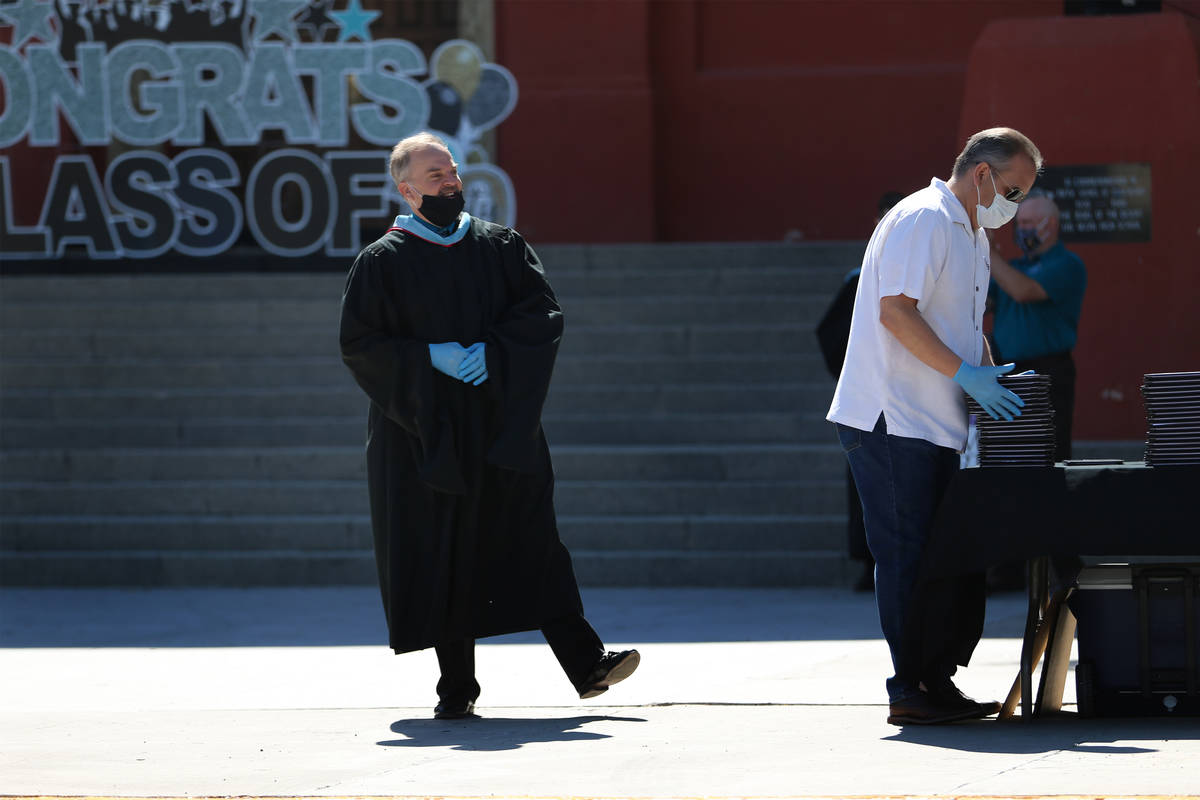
454, 710
612, 668
945, 693
923, 709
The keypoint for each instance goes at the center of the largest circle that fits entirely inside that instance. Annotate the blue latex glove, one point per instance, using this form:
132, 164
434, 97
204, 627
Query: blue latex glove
473, 369
447, 357
981, 383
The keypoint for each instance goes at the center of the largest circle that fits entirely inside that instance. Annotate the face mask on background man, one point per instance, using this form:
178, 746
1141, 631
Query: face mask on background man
1030, 239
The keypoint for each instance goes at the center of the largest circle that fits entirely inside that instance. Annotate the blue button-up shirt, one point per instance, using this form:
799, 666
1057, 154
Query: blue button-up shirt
1046, 327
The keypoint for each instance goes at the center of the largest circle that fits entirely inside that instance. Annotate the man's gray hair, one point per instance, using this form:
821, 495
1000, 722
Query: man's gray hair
402, 152
996, 146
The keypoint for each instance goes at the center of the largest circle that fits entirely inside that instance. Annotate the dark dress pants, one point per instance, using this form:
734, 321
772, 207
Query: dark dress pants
574, 642
856, 531
901, 481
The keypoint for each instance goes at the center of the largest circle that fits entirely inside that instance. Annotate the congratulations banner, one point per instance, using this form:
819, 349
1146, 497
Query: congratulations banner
156, 126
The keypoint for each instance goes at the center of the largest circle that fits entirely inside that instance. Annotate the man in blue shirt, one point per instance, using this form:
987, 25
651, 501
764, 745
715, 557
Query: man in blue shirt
1037, 300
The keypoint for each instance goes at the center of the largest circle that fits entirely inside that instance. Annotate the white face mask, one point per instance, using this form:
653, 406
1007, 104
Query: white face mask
999, 212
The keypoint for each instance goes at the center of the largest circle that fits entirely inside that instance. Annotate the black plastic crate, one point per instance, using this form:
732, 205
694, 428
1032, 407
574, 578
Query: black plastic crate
1137, 632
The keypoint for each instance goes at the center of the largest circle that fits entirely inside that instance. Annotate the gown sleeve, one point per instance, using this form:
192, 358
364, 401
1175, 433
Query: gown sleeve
395, 371
525, 340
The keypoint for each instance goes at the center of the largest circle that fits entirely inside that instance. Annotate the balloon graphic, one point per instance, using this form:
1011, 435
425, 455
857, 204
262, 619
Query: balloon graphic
445, 107
489, 193
458, 64
493, 100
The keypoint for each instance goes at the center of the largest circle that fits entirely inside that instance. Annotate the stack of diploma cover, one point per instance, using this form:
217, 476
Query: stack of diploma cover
1024, 441
1172, 418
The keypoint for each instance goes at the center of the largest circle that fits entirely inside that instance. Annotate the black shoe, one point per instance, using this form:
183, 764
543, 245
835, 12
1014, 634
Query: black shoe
611, 668
945, 693
454, 710
922, 709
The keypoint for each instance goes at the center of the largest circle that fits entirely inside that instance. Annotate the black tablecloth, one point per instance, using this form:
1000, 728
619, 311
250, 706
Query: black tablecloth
993, 515
998, 515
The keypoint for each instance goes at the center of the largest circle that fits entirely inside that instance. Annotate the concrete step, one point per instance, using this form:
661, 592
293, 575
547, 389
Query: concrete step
571, 462
146, 568
690, 255
717, 338
711, 568
309, 549
559, 261
688, 428
743, 532
252, 316
201, 429
249, 315
200, 432
23, 498
325, 401
738, 461
181, 404
158, 287
585, 428
567, 282
357, 567
820, 281
136, 530
84, 345
308, 340
626, 299
320, 532
169, 373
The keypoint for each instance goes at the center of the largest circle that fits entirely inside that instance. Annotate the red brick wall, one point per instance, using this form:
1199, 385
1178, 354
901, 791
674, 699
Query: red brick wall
1112, 90
703, 120
678, 120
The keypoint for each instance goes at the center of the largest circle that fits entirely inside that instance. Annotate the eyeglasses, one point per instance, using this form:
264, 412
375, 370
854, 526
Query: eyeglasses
1013, 194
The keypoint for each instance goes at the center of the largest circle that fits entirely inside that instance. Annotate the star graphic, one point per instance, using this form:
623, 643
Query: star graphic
354, 21
316, 20
275, 16
29, 18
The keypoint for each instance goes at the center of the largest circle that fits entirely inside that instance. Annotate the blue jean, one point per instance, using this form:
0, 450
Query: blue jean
901, 481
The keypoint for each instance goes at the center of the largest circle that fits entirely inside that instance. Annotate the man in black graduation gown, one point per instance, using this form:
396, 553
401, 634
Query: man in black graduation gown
450, 327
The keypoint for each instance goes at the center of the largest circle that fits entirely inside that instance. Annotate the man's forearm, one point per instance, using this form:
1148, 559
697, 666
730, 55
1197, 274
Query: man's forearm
1018, 285
900, 316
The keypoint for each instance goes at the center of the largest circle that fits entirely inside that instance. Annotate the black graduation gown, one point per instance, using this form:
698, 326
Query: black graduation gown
833, 331
460, 479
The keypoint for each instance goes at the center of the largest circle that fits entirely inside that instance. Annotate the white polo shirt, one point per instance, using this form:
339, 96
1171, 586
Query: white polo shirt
924, 248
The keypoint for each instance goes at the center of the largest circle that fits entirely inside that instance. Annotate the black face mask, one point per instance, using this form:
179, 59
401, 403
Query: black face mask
1027, 239
442, 211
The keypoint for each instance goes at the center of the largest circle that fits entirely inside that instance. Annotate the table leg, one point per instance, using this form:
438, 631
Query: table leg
1037, 576
1037, 647
1061, 623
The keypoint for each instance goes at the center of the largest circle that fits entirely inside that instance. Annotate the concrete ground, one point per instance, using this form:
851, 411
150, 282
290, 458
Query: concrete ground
741, 693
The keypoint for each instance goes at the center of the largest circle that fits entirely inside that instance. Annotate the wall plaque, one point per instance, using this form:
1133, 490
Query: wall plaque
1100, 202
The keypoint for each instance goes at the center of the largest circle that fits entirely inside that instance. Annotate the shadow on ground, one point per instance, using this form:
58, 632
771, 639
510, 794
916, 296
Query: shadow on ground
490, 734
1061, 732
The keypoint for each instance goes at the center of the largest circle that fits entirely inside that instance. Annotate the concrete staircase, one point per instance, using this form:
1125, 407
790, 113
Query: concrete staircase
200, 429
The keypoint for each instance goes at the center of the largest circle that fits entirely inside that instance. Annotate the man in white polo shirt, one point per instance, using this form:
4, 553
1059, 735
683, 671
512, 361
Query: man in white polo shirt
916, 344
